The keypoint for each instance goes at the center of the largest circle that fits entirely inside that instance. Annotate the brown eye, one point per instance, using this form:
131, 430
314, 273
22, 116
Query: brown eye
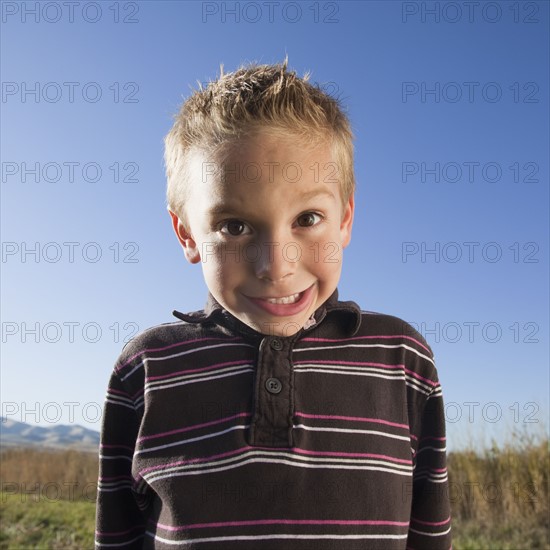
308, 219
233, 228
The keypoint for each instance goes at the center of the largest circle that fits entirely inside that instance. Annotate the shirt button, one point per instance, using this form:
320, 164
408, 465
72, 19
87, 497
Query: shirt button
276, 344
273, 385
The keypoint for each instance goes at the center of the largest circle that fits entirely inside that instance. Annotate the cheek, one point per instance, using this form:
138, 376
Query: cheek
221, 269
324, 255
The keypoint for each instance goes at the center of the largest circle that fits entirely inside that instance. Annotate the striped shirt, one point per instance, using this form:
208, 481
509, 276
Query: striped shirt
216, 436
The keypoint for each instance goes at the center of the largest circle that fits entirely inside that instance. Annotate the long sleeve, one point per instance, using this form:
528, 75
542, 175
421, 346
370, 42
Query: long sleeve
120, 520
430, 526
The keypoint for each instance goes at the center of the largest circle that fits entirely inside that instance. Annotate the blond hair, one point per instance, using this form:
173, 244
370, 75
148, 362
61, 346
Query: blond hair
254, 97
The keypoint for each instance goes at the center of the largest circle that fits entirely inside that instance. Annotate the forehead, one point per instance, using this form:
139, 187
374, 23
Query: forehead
267, 159
269, 147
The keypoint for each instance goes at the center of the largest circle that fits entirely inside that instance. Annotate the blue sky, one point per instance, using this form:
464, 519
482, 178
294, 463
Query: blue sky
450, 113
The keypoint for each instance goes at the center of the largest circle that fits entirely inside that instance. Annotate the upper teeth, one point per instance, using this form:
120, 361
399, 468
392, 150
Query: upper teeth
285, 300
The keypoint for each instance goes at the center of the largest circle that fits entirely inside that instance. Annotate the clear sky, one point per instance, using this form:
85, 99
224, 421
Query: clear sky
449, 106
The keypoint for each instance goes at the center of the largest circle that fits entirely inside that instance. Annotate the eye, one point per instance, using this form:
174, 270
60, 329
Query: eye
308, 219
234, 228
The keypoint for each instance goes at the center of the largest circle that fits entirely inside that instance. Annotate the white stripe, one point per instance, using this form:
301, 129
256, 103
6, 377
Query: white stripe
122, 378
366, 371
389, 373
105, 457
276, 536
437, 449
114, 402
286, 462
186, 469
386, 346
179, 354
418, 386
343, 371
205, 379
116, 397
430, 478
290, 456
192, 440
349, 430
118, 544
430, 534
196, 375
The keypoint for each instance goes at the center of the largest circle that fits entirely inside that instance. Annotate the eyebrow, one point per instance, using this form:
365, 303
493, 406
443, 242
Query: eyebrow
317, 193
223, 208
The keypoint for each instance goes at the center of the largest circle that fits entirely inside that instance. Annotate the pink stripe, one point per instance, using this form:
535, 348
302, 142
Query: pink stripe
436, 438
138, 393
202, 369
282, 522
115, 478
119, 392
381, 365
366, 455
427, 380
432, 522
365, 338
103, 446
174, 346
352, 418
194, 427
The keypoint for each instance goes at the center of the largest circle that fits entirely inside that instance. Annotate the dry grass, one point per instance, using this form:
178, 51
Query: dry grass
500, 495
51, 475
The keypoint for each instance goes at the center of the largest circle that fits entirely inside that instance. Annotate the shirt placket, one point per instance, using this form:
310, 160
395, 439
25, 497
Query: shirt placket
271, 424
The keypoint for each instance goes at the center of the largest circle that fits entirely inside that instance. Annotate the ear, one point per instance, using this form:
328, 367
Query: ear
186, 240
347, 221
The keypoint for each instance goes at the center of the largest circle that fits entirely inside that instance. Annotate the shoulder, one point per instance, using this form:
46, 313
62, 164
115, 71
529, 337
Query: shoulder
400, 343
388, 326
158, 340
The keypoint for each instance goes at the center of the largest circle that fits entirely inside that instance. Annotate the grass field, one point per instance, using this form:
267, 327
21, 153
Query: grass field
44, 524
499, 498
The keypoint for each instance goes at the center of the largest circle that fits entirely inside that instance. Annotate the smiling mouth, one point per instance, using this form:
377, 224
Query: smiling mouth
293, 304
285, 299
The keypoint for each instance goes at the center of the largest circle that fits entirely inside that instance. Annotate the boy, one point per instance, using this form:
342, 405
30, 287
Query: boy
278, 417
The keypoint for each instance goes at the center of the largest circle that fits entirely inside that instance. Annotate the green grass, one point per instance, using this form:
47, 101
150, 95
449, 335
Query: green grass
475, 535
45, 524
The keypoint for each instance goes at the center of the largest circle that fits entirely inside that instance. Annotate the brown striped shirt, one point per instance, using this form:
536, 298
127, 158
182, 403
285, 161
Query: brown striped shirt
216, 436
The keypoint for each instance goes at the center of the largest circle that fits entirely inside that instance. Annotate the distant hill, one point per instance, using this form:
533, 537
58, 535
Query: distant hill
58, 436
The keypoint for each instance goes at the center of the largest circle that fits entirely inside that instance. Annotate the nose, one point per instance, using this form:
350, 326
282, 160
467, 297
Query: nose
276, 259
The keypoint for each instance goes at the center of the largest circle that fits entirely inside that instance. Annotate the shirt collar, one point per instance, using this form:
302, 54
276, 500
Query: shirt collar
347, 311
